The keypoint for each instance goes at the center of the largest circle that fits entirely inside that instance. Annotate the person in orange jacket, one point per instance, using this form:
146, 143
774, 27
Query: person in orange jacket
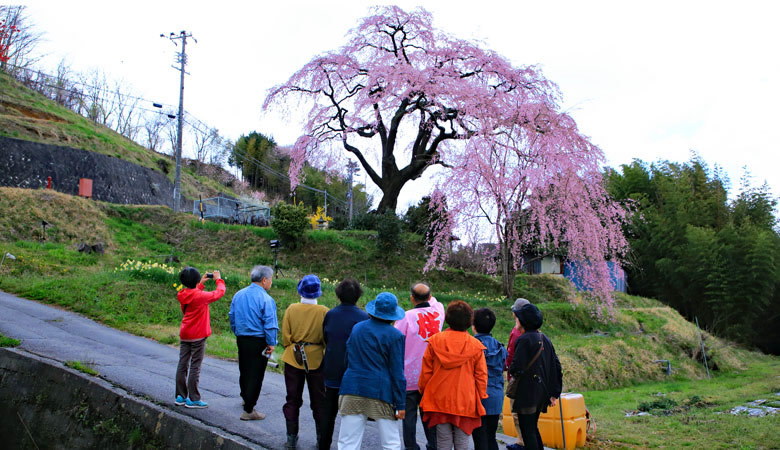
453, 380
195, 328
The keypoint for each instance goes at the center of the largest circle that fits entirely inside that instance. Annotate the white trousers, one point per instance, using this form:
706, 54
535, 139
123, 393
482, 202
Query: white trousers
353, 426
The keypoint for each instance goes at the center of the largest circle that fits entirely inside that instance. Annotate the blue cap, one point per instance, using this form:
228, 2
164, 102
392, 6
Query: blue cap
309, 287
385, 306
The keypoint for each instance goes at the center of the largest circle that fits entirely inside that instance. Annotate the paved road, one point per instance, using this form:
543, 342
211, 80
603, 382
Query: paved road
147, 368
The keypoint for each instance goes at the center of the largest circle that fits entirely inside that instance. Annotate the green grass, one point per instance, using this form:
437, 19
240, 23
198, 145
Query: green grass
82, 367
702, 423
266, 233
9, 342
341, 239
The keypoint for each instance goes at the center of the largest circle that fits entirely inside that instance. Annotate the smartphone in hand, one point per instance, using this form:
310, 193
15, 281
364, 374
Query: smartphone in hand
210, 275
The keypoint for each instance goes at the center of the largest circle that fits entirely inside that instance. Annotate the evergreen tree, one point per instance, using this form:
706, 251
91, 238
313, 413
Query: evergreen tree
696, 251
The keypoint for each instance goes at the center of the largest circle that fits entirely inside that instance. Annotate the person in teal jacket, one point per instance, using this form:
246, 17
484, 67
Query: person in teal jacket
374, 386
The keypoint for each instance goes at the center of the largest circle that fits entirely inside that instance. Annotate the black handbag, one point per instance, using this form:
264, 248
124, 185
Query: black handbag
511, 387
299, 352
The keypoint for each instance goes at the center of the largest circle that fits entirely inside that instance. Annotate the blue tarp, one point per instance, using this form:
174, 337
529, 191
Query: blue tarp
616, 274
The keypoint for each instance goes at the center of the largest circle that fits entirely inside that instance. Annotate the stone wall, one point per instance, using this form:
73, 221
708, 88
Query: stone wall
27, 164
44, 404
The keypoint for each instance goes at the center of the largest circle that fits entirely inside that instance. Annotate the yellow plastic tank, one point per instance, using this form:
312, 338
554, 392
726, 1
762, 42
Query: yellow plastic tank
507, 422
574, 422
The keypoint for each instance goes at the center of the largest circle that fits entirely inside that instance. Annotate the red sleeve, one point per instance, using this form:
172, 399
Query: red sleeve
219, 292
510, 350
212, 296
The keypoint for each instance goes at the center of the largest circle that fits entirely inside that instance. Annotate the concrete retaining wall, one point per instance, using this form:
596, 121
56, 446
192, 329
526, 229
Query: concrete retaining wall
57, 407
27, 164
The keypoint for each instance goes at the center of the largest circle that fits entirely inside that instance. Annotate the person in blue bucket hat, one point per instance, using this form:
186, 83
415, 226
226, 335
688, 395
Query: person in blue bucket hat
374, 386
309, 287
304, 343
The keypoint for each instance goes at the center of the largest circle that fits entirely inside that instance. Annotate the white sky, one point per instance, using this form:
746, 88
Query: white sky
649, 80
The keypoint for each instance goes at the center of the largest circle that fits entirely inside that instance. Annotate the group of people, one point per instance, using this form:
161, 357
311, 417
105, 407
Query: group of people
383, 364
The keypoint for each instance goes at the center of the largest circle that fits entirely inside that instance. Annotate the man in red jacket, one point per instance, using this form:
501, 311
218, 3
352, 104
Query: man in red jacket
195, 328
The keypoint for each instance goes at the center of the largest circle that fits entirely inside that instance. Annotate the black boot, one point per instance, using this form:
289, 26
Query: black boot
292, 435
319, 433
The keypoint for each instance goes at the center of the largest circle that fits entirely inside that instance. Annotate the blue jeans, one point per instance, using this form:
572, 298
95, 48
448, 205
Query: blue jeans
410, 423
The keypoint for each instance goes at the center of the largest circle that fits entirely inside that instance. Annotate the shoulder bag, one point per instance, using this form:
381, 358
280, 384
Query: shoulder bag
511, 387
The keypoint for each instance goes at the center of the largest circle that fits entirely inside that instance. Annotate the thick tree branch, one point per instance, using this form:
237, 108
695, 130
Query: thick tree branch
369, 170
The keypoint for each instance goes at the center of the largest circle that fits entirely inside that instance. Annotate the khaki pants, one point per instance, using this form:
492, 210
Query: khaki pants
516, 422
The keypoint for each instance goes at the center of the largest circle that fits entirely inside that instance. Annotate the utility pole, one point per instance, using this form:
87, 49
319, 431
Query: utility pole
182, 59
352, 168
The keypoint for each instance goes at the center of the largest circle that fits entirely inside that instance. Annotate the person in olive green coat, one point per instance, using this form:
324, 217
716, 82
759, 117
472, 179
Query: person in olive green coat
304, 347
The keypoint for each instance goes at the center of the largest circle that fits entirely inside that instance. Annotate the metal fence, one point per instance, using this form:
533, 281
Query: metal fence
232, 210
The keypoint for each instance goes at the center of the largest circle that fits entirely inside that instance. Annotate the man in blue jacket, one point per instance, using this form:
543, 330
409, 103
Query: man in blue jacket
253, 321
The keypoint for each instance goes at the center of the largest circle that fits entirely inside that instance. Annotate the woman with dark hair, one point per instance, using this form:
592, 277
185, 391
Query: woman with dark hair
374, 386
453, 380
336, 328
538, 370
195, 329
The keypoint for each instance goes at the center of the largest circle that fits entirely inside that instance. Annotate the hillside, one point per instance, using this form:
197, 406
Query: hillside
596, 355
28, 115
131, 287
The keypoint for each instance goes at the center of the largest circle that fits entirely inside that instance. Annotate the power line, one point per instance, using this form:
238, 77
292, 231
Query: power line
71, 81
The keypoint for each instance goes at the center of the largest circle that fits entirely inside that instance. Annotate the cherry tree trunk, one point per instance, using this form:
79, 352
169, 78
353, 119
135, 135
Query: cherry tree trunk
507, 270
390, 196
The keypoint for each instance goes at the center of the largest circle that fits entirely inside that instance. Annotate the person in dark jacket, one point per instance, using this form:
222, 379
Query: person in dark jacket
336, 328
539, 376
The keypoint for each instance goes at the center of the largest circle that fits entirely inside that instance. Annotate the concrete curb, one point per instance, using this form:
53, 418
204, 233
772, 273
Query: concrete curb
103, 413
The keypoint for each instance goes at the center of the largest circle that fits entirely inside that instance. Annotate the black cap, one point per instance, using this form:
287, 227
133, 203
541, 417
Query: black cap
530, 317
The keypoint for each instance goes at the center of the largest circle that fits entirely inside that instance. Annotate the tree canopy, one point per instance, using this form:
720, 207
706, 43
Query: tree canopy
400, 94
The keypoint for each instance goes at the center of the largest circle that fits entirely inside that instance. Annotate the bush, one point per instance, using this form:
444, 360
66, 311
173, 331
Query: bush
289, 222
340, 221
365, 221
388, 227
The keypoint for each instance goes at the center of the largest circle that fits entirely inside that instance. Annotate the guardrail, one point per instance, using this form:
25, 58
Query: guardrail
232, 210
